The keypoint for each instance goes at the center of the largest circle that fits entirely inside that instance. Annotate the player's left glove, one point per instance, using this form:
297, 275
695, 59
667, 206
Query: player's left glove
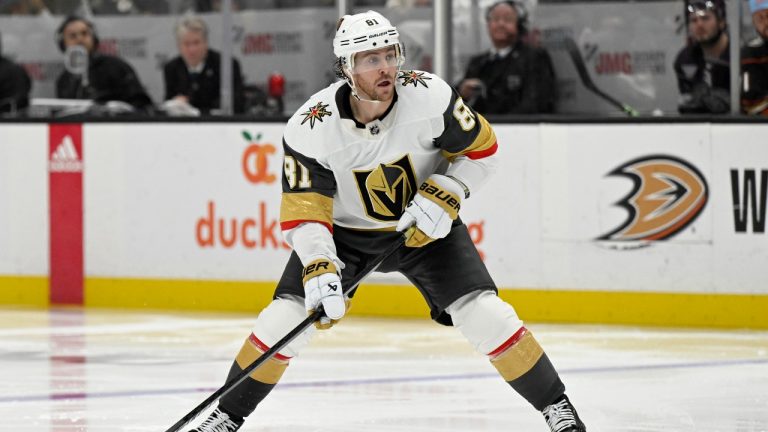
432, 211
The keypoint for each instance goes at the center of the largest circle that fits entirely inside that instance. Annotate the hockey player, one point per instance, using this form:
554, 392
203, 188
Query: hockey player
386, 151
754, 63
703, 67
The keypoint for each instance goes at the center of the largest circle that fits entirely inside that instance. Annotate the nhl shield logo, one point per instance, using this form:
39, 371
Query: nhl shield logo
386, 189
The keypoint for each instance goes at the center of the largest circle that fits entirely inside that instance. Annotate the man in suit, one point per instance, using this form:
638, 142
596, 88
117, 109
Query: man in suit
108, 78
15, 86
194, 77
513, 77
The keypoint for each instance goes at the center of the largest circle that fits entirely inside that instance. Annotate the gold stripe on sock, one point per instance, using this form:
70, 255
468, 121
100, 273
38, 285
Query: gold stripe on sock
519, 358
269, 372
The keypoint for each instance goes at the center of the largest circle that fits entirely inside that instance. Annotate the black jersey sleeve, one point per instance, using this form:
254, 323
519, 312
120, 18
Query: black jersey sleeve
465, 133
308, 190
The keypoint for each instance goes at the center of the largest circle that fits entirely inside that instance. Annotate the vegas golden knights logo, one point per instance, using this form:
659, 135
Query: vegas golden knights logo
387, 189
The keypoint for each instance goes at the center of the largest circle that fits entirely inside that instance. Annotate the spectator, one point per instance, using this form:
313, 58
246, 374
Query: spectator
754, 63
14, 87
514, 77
108, 78
194, 76
703, 67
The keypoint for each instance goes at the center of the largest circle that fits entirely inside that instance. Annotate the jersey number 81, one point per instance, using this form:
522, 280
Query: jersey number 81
463, 115
289, 167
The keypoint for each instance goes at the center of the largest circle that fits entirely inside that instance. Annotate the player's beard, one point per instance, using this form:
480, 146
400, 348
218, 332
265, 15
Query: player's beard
373, 92
712, 40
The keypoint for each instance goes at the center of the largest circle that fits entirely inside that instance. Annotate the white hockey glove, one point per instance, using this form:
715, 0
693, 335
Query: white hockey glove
322, 285
432, 211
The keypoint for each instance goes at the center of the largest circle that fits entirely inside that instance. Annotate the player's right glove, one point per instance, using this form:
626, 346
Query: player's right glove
322, 285
432, 211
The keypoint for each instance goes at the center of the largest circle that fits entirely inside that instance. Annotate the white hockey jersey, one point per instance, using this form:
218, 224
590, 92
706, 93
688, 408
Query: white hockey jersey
361, 176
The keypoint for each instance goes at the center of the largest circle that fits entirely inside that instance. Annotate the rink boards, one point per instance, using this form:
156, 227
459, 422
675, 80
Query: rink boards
660, 224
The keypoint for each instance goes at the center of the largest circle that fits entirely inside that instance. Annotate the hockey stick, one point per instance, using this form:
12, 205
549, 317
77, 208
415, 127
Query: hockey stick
349, 287
586, 79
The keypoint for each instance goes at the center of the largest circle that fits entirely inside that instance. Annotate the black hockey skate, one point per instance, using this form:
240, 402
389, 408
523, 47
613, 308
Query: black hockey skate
219, 421
561, 416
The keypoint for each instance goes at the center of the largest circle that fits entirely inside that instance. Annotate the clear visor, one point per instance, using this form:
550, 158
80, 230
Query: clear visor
382, 58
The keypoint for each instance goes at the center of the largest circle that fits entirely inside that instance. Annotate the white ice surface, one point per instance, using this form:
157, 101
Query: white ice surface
72, 370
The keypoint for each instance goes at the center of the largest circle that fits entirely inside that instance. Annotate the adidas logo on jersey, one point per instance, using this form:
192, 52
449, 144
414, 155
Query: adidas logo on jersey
65, 157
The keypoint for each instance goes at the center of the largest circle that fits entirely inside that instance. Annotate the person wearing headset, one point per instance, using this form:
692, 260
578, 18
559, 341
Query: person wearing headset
513, 77
109, 78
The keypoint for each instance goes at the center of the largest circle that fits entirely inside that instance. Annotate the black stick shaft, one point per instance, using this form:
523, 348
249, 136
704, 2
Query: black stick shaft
586, 79
349, 287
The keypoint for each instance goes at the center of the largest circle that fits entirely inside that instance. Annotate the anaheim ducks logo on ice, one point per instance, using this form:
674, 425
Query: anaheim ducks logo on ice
315, 113
669, 193
386, 189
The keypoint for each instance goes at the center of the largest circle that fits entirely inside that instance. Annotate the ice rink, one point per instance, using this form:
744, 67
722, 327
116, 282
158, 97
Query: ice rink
100, 370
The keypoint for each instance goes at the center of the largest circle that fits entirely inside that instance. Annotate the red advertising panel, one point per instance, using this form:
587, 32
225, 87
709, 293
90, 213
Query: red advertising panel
65, 168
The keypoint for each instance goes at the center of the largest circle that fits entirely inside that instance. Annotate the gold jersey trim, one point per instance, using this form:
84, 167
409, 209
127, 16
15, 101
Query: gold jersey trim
484, 141
306, 206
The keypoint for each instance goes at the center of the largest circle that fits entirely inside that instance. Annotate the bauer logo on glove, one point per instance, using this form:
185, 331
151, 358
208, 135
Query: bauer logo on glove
432, 211
322, 285
317, 268
433, 191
